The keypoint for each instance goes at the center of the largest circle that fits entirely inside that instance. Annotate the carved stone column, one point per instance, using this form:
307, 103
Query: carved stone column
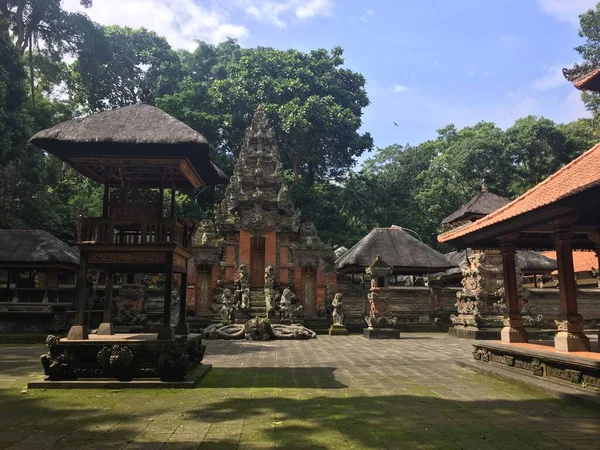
570, 336
513, 330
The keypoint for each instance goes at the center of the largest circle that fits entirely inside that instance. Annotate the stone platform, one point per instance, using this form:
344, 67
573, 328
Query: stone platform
124, 357
580, 369
190, 381
493, 334
381, 333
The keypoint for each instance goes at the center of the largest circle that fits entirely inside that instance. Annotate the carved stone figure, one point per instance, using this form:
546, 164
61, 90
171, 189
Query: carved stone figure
227, 310
338, 312
270, 292
287, 306
258, 329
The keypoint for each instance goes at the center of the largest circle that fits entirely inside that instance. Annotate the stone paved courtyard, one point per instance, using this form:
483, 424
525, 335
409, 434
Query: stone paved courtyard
332, 392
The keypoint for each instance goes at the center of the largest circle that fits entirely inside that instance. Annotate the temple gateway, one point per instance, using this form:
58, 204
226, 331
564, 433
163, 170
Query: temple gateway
258, 259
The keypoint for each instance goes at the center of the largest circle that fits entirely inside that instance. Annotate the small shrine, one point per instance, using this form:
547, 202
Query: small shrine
137, 152
377, 260
258, 259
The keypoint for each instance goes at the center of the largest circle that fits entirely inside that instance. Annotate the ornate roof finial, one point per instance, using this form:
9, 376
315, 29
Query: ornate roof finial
146, 97
484, 187
259, 108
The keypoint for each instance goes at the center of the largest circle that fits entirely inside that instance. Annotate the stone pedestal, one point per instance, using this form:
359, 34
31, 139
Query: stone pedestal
570, 336
381, 333
338, 330
513, 331
106, 328
77, 332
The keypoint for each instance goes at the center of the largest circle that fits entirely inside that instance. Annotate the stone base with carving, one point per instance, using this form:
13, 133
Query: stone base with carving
541, 362
381, 333
513, 331
338, 330
570, 336
122, 357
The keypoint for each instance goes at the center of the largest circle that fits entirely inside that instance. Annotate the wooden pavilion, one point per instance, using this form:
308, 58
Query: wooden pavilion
136, 152
562, 212
37, 281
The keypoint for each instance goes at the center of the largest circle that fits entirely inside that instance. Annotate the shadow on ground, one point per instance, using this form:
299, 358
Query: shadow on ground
272, 377
290, 418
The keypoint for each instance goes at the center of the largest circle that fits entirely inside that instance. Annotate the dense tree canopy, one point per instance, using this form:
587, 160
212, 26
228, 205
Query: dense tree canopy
314, 103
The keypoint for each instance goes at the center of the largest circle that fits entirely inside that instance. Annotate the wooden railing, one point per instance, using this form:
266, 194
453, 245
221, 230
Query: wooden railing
135, 231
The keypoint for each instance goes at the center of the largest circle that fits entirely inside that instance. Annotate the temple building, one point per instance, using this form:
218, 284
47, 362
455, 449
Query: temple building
561, 212
368, 277
479, 206
480, 303
258, 241
136, 152
37, 281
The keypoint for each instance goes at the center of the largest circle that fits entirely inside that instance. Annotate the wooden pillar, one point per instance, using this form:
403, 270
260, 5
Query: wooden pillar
106, 327
570, 336
79, 330
513, 330
167, 331
182, 327
105, 200
173, 202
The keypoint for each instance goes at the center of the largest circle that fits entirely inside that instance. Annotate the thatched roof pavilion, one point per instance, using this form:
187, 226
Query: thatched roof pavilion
479, 206
400, 250
155, 145
35, 248
530, 262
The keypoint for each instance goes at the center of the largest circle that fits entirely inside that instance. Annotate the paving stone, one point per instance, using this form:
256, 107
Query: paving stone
331, 392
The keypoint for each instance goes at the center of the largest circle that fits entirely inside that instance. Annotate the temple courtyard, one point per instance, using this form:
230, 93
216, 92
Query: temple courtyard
332, 392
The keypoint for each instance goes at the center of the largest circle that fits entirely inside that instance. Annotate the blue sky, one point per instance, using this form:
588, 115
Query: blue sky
428, 63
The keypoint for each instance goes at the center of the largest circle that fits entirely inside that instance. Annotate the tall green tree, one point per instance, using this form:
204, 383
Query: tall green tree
115, 71
314, 104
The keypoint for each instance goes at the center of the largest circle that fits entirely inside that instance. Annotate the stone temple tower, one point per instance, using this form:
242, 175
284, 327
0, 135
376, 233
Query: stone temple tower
261, 238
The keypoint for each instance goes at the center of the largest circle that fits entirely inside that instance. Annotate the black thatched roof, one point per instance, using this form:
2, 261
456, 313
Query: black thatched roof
140, 130
398, 249
530, 261
36, 248
482, 204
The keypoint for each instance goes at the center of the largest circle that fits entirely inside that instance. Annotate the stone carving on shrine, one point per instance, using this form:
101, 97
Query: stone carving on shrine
481, 302
275, 266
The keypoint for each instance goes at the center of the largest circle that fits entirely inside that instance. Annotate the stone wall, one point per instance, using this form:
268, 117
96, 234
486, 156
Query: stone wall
546, 302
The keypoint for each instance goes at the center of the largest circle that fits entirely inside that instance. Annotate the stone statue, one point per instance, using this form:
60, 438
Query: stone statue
227, 308
270, 292
338, 313
245, 304
285, 304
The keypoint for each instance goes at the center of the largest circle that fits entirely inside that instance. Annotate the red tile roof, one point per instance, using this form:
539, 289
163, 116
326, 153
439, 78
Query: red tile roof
582, 261
579, 175
582, 83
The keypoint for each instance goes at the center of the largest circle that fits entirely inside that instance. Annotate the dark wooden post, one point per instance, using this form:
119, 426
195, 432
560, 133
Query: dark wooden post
513, 330
105, 200
173, 202
167, 331
182, 327
106, 327
570, 336
79, 330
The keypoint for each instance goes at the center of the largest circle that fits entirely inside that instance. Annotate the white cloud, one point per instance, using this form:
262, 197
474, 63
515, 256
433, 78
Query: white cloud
566, 10
553, 78
182, 22
281, 12
399, 88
